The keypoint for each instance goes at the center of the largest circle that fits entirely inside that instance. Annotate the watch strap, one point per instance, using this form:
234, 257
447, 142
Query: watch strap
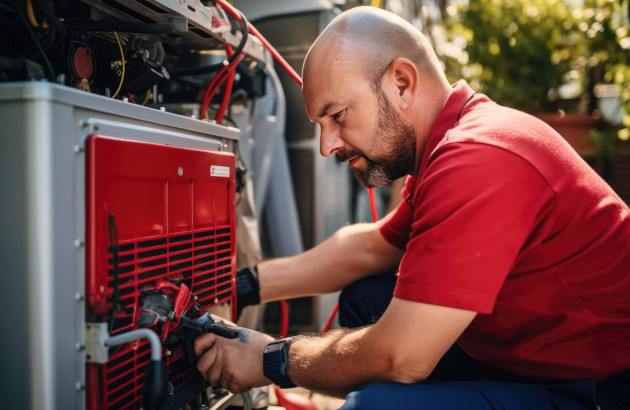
275, 363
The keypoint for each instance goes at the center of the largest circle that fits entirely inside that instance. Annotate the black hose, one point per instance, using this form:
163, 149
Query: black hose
241, 44
50, 39
124, 26
181, 72
48, 12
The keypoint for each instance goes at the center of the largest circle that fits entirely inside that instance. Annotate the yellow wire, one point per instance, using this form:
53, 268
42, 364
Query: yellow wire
146, 99
31, 14
122, 56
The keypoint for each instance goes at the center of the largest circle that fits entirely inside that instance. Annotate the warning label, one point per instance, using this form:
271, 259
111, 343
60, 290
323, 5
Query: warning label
219, 171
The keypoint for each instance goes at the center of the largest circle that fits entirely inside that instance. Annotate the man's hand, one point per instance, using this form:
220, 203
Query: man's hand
234, 364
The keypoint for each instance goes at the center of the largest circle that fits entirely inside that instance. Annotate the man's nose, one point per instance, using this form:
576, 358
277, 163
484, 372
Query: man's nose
329, 141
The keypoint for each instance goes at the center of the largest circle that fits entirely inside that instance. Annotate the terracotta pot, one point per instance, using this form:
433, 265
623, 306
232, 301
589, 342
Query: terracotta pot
574, 128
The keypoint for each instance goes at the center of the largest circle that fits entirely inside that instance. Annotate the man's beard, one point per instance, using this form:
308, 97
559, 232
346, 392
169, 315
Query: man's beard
394, 141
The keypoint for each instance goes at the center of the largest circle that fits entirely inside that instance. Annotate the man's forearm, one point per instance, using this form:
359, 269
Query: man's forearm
353, 252
339, 362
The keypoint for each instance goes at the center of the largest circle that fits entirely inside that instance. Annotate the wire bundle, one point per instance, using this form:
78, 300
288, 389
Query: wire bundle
226, 73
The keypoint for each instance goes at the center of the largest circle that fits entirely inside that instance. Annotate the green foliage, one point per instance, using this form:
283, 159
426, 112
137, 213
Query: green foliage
517, 51
522, 52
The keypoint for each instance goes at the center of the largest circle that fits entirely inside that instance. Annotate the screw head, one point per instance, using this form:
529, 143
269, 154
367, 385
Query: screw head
180, 171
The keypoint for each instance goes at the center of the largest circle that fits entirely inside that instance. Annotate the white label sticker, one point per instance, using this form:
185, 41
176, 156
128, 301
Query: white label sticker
219, 171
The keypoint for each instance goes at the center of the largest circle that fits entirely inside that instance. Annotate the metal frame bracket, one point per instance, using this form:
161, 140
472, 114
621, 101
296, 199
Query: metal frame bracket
95, 349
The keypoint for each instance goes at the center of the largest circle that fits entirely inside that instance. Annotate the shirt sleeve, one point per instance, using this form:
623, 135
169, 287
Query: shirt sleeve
474, 209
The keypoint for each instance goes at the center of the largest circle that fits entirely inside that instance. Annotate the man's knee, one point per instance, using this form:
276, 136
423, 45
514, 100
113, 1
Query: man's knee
364, 301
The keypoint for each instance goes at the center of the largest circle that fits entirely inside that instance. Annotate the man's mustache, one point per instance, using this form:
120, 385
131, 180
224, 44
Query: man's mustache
346, 155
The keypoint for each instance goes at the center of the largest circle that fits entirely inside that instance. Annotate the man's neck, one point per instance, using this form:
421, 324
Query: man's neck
423, 128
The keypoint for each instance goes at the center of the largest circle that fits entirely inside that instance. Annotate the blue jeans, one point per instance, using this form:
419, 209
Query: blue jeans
454, 383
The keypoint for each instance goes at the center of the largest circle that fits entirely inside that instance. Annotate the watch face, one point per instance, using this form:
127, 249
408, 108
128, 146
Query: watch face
273, 347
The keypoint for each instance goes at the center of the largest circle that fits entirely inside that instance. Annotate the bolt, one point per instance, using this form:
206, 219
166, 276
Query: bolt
180, 171
78, 243
78, 149
79, 346
79, 386
78, 297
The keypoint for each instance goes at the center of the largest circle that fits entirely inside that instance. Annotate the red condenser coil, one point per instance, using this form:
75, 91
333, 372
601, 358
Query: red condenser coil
171, 211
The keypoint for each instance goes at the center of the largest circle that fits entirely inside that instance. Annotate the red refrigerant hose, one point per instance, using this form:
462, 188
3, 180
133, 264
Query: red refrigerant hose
283, 63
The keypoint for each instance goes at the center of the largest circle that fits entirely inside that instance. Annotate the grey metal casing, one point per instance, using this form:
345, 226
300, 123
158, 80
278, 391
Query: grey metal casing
43, 128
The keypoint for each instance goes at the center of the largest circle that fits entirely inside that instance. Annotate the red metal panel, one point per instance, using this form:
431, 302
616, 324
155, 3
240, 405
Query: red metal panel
175, 221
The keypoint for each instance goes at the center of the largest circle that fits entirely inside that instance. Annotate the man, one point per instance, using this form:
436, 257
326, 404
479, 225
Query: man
506, 243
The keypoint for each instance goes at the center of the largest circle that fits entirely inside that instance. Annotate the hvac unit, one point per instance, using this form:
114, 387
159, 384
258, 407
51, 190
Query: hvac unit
105, 202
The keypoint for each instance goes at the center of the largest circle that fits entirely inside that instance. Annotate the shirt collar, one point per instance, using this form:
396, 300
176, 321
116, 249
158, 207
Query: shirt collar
446, 119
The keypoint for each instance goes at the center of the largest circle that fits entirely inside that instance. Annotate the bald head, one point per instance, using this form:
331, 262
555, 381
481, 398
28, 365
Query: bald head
367, 40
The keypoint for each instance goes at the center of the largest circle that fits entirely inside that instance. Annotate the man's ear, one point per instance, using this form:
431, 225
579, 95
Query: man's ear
403, 78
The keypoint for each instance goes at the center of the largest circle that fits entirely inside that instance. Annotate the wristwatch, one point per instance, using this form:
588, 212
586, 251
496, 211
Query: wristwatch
275, 360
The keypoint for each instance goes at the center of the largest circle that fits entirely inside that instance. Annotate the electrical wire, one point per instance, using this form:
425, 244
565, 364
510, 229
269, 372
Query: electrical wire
31, 14
216, 83
147, 98
181, 72
131, 98
285, 319
210, 91
34, 37
373, 205
283, 63
226, 97
218, 118
52, 19
122, 56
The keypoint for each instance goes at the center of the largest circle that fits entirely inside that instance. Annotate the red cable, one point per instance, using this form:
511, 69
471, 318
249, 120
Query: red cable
131, 98
373, 205
218, 118
234, 13
215, 83
218, 80
330, 319
285, 319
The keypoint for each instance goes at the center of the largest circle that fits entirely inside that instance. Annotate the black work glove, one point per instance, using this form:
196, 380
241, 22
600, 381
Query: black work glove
247, 289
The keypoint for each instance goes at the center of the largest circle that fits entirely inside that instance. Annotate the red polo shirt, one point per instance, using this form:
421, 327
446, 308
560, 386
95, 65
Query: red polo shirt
505, 219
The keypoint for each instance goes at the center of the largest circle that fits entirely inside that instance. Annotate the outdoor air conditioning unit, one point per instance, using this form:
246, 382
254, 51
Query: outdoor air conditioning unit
106, 199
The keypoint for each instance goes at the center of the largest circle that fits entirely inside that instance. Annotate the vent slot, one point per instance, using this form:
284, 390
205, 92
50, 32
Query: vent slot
203, 259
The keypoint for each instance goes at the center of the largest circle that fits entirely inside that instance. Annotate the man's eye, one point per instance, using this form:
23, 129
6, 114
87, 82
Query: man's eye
337, 115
